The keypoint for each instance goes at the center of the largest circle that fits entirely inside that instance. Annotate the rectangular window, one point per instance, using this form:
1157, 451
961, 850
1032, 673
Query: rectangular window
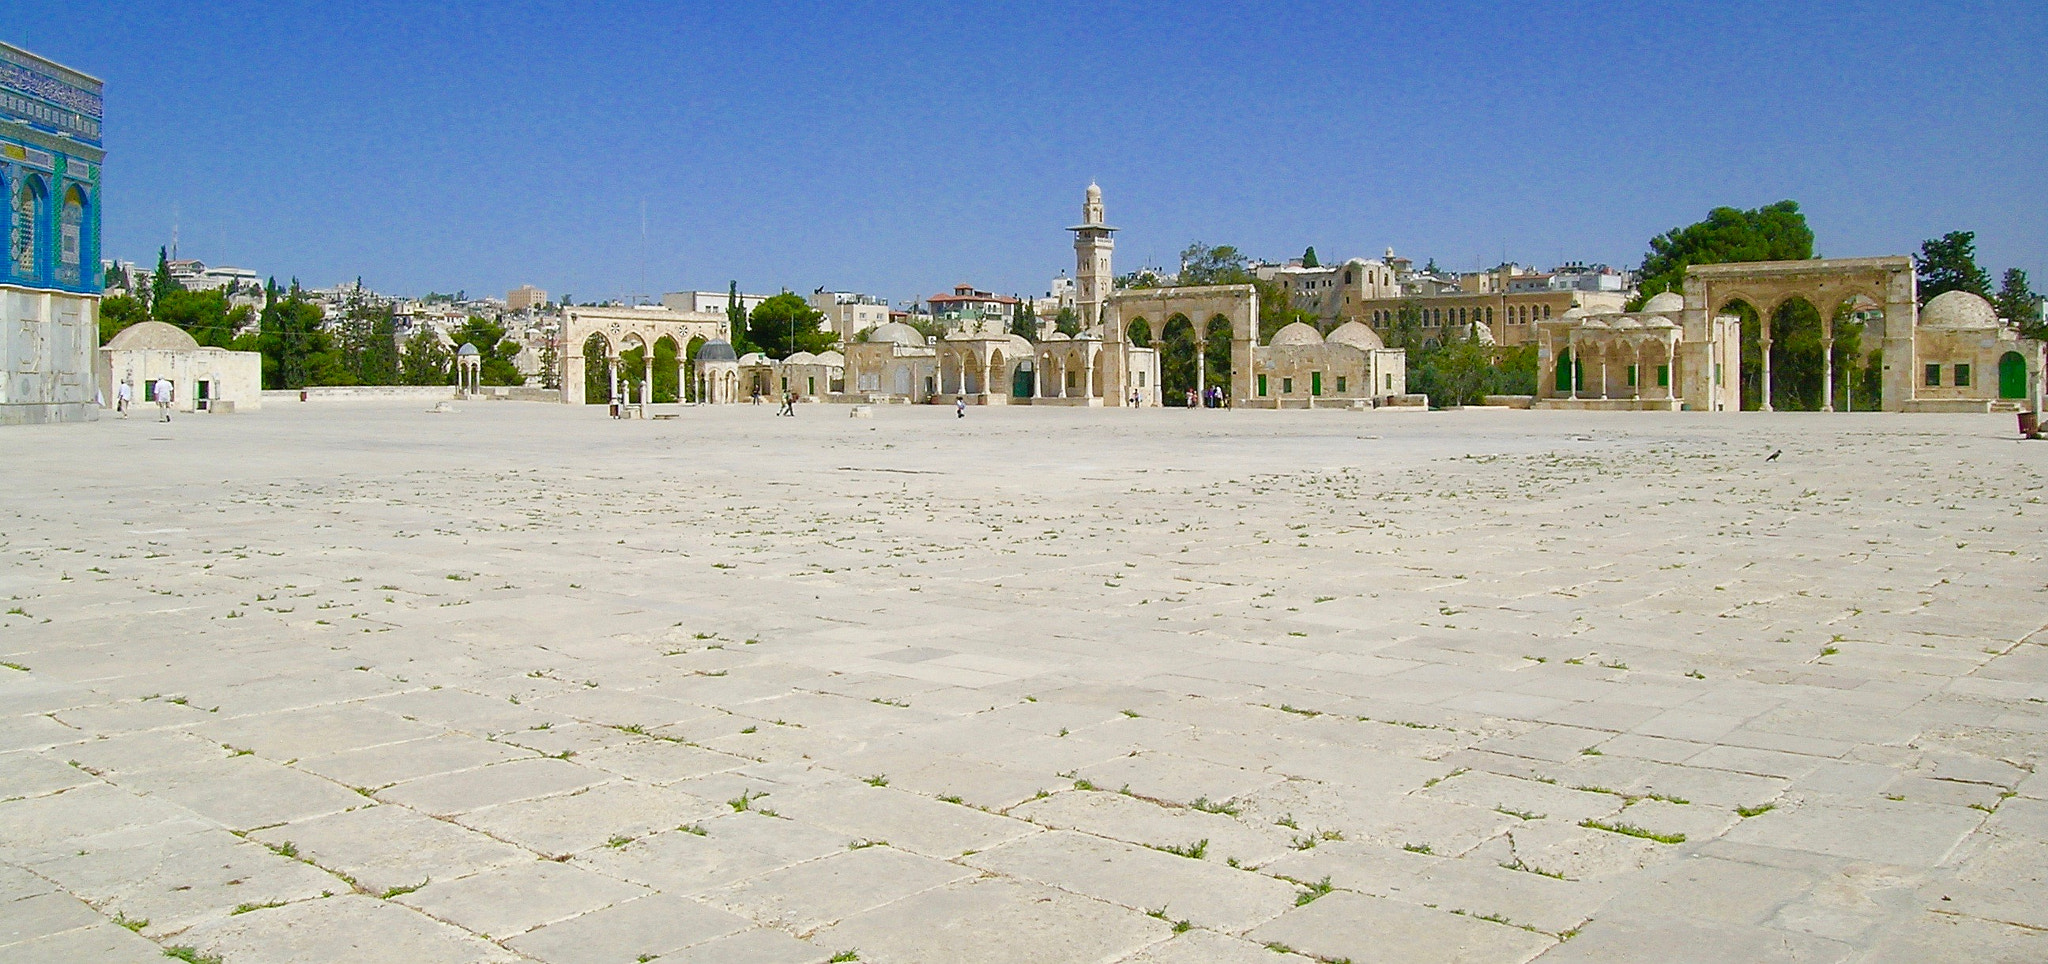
1934, 375
1631, 376
1390, 383
1287, 386
1962, 376
1070, 379
1340, 384
1315, 383
1262, 386
1663, 376
1141, 379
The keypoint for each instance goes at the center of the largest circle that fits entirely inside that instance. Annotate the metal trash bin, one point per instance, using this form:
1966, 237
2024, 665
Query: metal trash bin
2030, 425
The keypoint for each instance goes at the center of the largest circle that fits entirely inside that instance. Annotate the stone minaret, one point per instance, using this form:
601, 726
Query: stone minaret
1093, 241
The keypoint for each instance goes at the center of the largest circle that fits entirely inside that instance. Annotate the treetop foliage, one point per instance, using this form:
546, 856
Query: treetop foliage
786, 324
1775, 232
1949, 263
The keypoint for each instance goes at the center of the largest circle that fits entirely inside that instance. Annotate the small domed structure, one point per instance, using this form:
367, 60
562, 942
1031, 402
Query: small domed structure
1357, 335
1296, 334
467, 351
1958, 310
1573, 312
753, 358
1664, 302
831, 359
897, 332
716, 351
801, 358
1019, 346
1057, 336
1628, 324
152, 336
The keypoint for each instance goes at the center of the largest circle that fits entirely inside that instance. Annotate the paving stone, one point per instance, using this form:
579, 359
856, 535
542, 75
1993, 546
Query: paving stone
808, 895
577, 821
389, 763
515, 898
763, 946
342, 928
387, 846
448, 794
1880, 831
653, 926
100, 943
1690, 940
1205, 892
1346, 925
954, 923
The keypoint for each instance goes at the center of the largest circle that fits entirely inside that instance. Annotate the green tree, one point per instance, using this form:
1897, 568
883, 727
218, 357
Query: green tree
1024, 324
297, 351
425, 360
1308, 258
784, 325
1775, 232
1201, 264
1141, 278
550, 364
1949, 263
369, 345
161, 283
1067, 322
118, 312
497, 353
2016, 303
203, 314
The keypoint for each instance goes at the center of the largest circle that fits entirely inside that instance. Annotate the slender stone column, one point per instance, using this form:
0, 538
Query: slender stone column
611, 364
647, 381
1603, 372
1087, 374
1572, 366
1827, 368
1763, 331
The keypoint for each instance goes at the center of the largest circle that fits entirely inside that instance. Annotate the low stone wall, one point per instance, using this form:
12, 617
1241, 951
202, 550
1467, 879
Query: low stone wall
420, 393
1509, 401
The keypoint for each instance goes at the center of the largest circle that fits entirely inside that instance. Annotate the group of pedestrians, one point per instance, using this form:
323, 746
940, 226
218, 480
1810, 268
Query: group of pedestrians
1211, 397
164, 390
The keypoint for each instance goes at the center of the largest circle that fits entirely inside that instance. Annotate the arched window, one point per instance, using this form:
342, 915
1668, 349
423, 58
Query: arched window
71, 237
28, 209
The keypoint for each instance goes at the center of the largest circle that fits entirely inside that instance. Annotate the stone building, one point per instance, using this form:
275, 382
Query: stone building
1968, 359
51, 270
202, 379
1299, 368
1637, 361
893, 363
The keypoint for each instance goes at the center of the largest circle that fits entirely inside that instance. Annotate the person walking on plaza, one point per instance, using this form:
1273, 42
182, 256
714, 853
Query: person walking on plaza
122, 396
789, 404
960, 407
164, 390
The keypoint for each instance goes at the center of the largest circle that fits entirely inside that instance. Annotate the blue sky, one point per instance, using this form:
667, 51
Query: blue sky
901, 148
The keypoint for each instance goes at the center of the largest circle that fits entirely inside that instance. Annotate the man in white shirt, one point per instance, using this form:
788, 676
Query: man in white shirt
164, 390
122, 396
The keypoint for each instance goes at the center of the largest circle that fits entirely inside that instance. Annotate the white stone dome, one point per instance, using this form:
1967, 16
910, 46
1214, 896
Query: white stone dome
1019, 346
1573, 312
1357, 336
1296, 334
801, 358
153, 336
1958, 309
832, 359
1664, 301
897, 331
753, 358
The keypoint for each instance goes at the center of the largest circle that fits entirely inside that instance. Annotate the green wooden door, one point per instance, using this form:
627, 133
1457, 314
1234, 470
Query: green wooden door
1564, 371
1020, 383
2012, 376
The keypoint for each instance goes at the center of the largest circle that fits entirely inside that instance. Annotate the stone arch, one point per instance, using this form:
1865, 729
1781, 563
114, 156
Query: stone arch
72, 243
1139, 332
693, 391
668, 374
1216, 356
1816, 291
1798, 363
1178, 360
29, 206
596, 351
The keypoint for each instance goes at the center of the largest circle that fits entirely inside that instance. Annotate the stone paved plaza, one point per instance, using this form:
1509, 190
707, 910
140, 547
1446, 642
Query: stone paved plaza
354, 682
